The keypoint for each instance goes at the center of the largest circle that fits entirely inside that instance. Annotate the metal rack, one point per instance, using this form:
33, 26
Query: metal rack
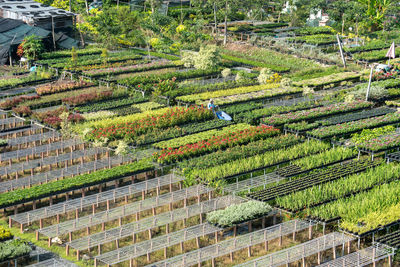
64, 172
235, 244
123, 211
96, 199
253, 182
40, 149
131, 229
158, 243
299, 252
363, 257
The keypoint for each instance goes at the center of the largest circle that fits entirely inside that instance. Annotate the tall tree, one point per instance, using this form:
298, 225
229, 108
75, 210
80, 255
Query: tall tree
376, 11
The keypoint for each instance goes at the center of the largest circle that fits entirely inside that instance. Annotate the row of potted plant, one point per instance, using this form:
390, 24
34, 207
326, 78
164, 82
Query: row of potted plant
253, 96
226, 92
329, 79
96, 63
139, 81
354, 126
111, 104
314, 30
170, 117
89, 58
372, 56
340, 188
238, 152
368, 134
289, 62
371, 45
194, 88
325, 157
158, 135
67, 53
61, 86
87, 98
204, 135
317, 39
115, 70
56, 98
15, 101
314, 113
253, 116
271, 158
101, 65
365, 211
12, 198
381, 143
255, 63
170, 155
32, 78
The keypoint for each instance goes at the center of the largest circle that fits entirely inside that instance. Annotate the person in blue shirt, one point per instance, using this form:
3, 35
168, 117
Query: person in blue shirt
211, 104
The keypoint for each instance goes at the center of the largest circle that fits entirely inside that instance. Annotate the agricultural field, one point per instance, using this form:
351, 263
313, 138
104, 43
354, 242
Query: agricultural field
115, 158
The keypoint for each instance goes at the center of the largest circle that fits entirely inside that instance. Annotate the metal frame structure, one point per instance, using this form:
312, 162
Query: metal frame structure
146, 224
235, 244
123, 211
158, 243
47, 161
301, 251
364, 257
253, 182
64, 172
53, 263
31, 130
49, 136
96, 199
60, 145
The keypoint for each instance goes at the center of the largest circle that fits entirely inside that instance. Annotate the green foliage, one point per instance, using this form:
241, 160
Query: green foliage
13, 249
238, 152
337, 189
365, 211
254, 63
165, 86
32, 47
74, 56
207, 58
190, 139
239, 213
79, 181
368, 134
5, 233
271, 158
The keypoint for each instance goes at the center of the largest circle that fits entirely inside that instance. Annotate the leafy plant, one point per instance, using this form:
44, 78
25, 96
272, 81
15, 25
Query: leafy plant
216, 142
368, 134
39, 191
238, 213
12, 249
5, 234
271, 158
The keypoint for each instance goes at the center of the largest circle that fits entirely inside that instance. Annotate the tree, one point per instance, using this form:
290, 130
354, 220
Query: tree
74, 56
375, 11
113, 26
153, 4
207, 58
104, 55
32, 46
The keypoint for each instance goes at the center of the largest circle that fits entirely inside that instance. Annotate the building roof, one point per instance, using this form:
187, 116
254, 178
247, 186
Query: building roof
12, 32
32, 9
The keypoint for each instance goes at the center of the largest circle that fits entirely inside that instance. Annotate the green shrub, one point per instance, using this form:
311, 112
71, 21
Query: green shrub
238, 213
